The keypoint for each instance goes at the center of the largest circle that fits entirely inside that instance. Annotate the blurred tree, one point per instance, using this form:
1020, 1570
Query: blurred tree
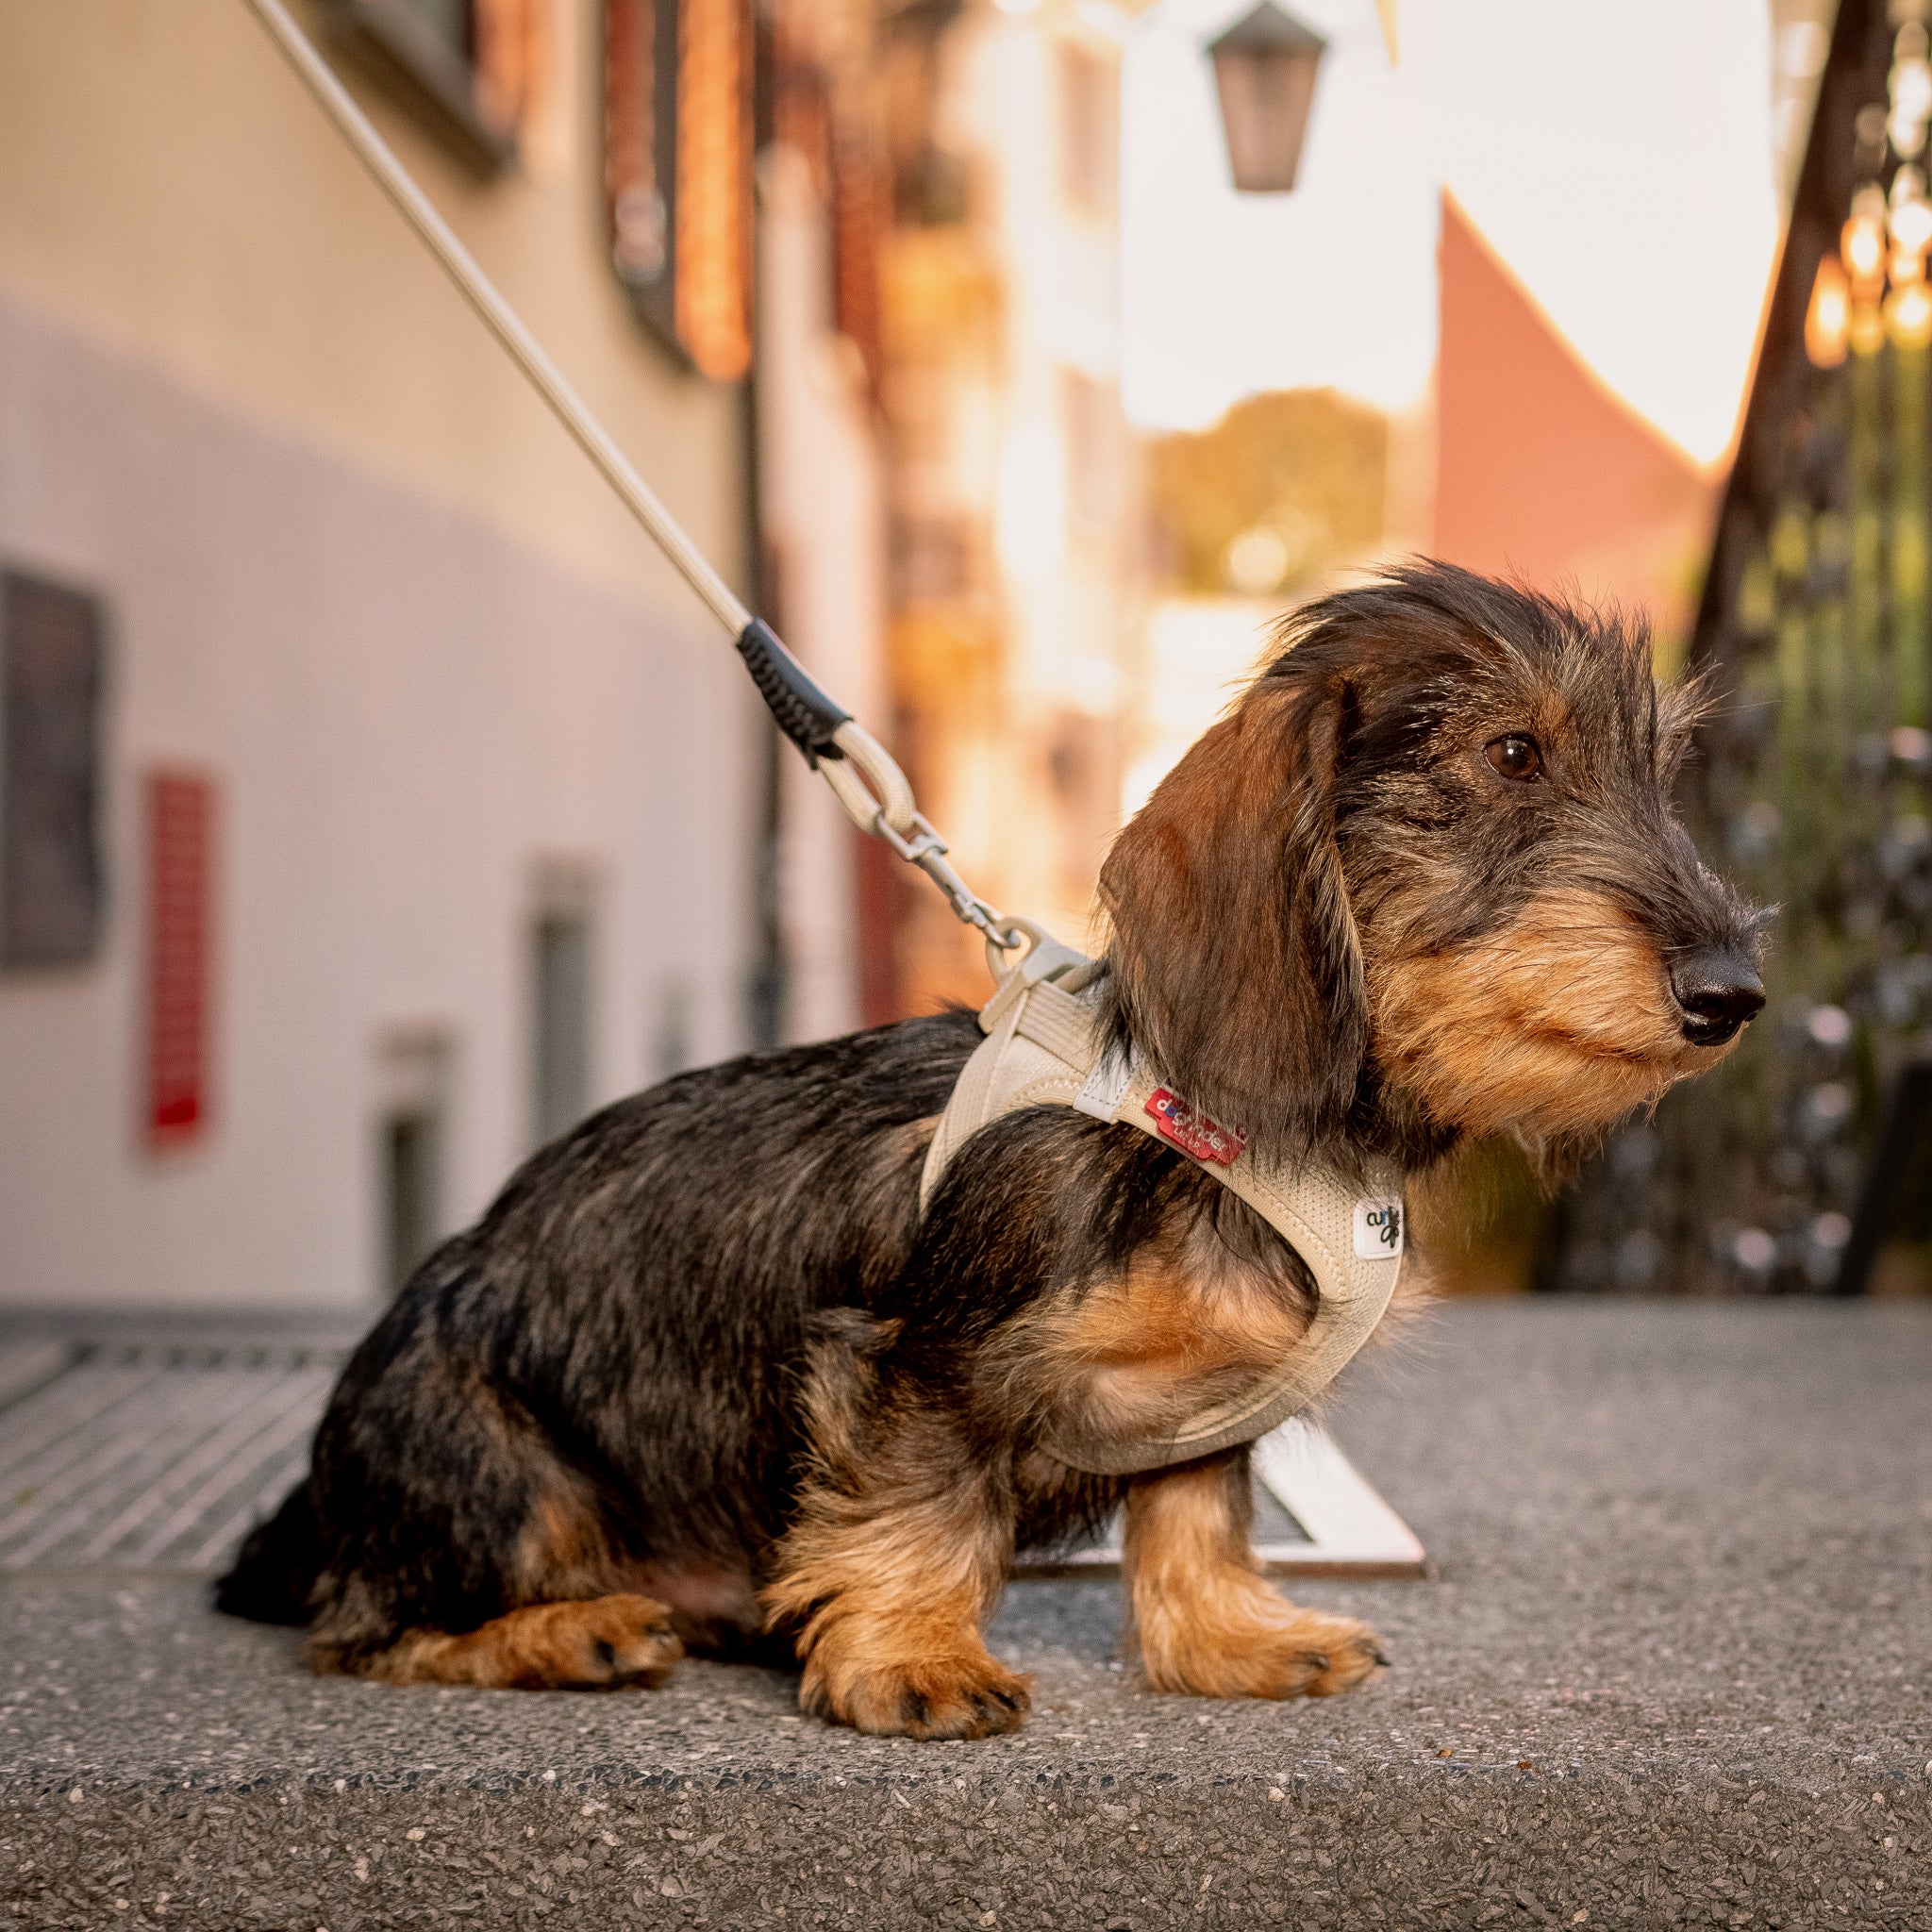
1283, 490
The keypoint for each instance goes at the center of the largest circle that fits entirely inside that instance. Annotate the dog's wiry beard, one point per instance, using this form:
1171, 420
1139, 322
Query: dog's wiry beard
1548, 1027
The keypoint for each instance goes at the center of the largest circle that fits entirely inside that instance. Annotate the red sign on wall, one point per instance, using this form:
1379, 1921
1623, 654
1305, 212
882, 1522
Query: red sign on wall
181, 818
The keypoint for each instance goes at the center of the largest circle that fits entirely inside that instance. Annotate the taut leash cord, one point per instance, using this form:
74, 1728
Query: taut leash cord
861, 772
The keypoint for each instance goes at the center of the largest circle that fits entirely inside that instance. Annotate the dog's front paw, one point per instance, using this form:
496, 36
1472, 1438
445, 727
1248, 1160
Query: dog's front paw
1347, 1652
1288, 1652
958, 1696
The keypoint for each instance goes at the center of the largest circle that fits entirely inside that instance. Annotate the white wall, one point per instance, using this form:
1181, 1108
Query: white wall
167, 185
408, 711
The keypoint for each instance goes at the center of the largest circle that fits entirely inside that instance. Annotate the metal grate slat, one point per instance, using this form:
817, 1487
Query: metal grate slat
170, 1413
65, 1405
242, 1453
195, 1430
152, 1452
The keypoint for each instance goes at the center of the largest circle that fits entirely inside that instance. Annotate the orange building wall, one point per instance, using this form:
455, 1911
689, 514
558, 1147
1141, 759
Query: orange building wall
1543, 473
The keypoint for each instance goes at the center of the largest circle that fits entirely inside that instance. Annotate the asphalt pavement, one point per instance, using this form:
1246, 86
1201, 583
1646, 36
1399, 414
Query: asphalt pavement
1676, 1670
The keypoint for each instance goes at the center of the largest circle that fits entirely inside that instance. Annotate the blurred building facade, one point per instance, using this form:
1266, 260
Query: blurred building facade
1543, 471
1013, 495
823, 213
373, 800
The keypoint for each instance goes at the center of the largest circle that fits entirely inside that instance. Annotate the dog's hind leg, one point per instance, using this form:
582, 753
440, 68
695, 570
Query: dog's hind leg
601, 1643
459, 1545
1207, 1620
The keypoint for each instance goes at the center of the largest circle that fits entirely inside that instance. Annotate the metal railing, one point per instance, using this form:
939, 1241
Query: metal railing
1795, 1167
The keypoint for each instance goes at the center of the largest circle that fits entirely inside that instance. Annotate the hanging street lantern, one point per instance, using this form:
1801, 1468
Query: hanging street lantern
1264, 71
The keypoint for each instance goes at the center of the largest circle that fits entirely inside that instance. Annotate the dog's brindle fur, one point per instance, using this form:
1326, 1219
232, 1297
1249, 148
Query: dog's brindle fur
704, 1377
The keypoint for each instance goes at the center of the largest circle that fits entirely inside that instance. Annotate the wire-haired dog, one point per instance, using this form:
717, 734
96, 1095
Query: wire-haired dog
704, 1376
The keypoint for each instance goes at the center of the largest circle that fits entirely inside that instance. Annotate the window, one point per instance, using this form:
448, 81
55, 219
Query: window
561, 940
415, 1079
50, 700
561, 965
180, 847
677, 156
1088, 130
474, 64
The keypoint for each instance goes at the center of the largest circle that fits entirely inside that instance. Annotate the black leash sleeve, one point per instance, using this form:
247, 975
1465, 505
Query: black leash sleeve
805, 715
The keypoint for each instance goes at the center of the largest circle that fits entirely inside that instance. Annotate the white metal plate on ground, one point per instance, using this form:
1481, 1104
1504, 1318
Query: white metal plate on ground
1315, 1515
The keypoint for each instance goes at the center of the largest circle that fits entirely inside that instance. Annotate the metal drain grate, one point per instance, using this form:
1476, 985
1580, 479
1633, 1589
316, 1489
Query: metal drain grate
149, 1455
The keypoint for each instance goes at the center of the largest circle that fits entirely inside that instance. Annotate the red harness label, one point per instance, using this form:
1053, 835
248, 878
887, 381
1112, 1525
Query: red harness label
1192, 1131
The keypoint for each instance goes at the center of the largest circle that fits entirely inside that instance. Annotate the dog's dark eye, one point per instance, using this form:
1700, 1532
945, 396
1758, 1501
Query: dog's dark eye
1515, 757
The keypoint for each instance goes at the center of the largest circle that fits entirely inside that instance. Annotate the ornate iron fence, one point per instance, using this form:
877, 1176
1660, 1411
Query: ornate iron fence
1800, 1164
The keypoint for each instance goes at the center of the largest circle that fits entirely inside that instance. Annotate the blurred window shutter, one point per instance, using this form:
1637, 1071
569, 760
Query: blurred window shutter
415, 1074
180, 826
677, 161
859, 188
636, 188
561, 1042
51, 648
561, 939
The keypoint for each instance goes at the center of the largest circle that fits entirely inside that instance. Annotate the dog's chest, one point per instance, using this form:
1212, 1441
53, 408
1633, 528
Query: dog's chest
1133, 1355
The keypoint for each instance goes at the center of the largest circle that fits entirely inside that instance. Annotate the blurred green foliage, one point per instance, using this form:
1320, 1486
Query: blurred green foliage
1308, 466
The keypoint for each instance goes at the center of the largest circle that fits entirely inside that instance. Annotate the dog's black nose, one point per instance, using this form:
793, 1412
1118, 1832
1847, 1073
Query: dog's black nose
1717, 992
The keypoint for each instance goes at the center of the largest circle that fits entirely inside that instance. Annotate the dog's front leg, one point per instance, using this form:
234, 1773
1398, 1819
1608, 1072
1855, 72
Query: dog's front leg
900, 1548
1207, 1620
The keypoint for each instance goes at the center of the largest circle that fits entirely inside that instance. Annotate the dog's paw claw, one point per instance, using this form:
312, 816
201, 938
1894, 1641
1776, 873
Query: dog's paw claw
1356, 1654
912, 1698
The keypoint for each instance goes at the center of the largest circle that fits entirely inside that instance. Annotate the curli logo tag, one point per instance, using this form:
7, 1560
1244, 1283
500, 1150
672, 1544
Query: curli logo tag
1378, 1230
1192, 1131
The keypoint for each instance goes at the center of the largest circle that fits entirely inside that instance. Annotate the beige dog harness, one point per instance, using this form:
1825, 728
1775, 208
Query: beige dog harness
1042, 1049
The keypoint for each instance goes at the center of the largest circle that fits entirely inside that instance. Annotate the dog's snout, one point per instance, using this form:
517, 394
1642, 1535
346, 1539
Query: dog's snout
1717, 993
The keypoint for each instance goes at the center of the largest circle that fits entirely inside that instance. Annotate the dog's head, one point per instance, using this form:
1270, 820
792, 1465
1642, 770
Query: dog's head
1425, 881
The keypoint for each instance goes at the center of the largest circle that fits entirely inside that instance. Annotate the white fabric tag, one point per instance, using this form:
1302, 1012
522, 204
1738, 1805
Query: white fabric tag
1378, 1230
1104, 1088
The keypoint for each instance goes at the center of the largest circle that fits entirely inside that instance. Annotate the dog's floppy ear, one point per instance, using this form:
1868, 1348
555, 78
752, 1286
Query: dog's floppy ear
1232, 959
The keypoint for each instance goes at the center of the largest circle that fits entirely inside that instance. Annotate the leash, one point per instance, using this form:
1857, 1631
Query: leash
863, 776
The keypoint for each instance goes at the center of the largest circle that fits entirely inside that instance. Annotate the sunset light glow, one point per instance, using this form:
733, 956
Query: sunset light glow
1619, 159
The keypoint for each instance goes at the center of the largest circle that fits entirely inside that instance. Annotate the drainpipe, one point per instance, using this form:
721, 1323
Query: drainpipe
766, 992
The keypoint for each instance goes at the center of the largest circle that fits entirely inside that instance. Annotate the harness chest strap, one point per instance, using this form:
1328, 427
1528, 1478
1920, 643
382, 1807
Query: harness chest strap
1042, 1049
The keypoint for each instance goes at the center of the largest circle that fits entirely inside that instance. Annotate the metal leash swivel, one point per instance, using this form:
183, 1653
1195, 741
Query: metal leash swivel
863, 776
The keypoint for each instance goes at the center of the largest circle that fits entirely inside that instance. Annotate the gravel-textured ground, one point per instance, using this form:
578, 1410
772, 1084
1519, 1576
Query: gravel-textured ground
1677, 1671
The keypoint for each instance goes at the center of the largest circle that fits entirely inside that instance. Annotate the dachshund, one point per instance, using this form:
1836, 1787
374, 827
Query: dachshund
706, 1378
